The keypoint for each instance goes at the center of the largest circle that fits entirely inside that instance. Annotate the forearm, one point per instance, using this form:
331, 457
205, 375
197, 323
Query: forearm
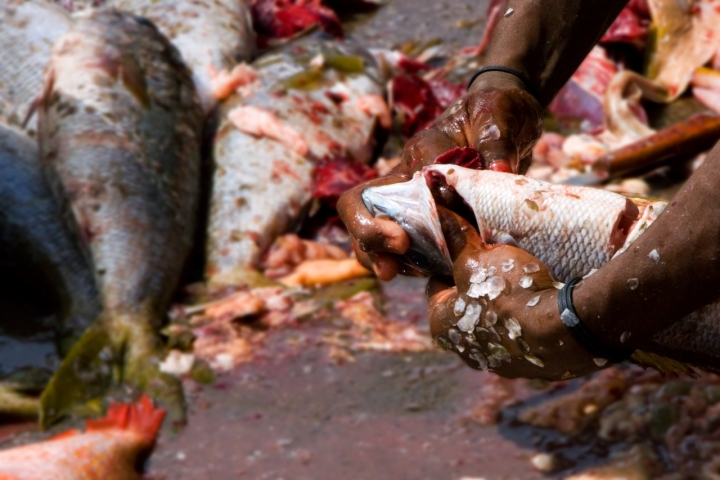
547, 40
676, 263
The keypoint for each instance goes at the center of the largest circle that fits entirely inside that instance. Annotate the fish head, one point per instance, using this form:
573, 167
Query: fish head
412, 206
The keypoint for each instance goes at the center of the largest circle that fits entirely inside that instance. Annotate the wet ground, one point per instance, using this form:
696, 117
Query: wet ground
382, 416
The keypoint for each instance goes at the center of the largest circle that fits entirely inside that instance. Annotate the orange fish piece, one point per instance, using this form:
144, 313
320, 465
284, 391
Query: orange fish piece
110, 448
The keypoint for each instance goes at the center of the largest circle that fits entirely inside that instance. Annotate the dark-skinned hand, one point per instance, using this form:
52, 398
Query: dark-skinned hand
518, 332
497, 117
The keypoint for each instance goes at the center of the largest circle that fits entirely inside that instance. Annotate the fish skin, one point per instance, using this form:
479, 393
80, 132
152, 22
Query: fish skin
29, 29
573, 231
210, 34
39, 234
109, 449
261, 186
120, 126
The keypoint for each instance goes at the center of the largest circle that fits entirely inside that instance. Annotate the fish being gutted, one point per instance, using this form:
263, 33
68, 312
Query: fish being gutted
211, 35
111, 448
29, 30
573, 230
38, 237
307, 105
120, 125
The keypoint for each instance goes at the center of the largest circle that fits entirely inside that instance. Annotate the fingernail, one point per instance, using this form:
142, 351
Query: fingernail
500, 166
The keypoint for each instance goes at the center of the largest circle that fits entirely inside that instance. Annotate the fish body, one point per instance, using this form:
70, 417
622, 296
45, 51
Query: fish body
109, 449
306, 105
210, 34
120, 125
571, 229
29, 30
38, 235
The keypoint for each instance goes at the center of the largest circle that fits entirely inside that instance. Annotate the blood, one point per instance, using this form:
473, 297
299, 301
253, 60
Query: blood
420, 101
463, 157
333, 177
275, 19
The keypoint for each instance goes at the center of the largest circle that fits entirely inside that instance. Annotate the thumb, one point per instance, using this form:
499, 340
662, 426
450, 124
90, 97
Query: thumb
499, 151
459, 234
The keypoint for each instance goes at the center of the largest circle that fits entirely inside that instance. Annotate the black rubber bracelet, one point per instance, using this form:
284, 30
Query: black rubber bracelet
498, 68
580, 333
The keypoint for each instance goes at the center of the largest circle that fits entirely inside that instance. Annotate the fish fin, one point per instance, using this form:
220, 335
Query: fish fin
664, 365
84, 374
100, 361
15, 403
141, 417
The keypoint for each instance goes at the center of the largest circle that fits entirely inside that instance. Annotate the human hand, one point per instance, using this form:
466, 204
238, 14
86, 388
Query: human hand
497, 117
510, 323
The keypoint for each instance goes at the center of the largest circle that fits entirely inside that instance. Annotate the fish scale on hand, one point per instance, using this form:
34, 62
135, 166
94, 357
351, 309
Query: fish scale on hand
120, 125
579, 229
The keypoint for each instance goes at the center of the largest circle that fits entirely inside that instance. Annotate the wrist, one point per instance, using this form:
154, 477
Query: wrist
497, 81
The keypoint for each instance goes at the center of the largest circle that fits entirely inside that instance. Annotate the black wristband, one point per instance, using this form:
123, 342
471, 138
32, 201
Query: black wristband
498, 68
580, 333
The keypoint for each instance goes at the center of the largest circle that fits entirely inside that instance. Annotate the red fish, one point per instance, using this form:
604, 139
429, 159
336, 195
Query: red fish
111, 448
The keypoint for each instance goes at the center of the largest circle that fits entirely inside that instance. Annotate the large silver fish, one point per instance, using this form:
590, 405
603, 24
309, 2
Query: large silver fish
28, 30
573, 230
210, 34
313, 99
38, 236
120, 126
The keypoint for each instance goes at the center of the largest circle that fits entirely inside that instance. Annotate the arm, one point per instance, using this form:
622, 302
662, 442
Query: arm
687, 276
545, 40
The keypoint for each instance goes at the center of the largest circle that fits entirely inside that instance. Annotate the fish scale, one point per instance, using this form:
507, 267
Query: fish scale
28, 29
261, 186
564, 232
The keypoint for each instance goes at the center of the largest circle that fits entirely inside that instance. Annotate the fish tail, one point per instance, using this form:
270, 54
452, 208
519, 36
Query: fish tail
664, 365
141, 418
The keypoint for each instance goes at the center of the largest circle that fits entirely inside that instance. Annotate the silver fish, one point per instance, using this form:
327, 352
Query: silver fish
307, 104
120, 125
210, 34
28, 30
573, 230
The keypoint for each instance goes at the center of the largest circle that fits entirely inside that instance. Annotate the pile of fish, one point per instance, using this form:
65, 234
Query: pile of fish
142, 138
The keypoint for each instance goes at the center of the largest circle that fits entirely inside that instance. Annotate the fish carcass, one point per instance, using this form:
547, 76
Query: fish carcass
313, 99
211, 35
573, 230
29, 30
120, 126
38, 236
111, 448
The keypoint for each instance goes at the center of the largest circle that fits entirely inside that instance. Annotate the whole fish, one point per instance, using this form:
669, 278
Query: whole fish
211, 35
120, 126
29, 30
38, 236
313, 99
111, 448
573, 230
